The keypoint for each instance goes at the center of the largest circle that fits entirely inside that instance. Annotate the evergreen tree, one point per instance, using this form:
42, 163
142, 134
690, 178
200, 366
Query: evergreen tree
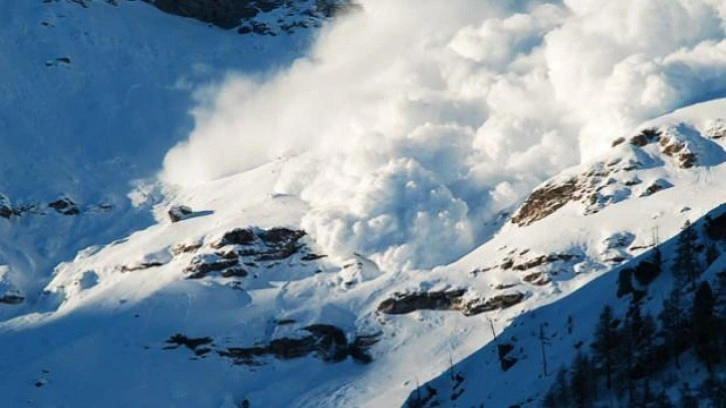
583, 382
688, 400
641, 333
674, 324
705, 330
685, 264
663, 401
562, 389
604, 344
712, 253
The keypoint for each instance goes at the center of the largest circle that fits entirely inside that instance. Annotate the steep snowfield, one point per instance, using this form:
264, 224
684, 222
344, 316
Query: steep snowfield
92, 98
104, 318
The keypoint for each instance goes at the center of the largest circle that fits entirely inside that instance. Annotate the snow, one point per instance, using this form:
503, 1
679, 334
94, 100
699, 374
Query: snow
459, 123
403, 163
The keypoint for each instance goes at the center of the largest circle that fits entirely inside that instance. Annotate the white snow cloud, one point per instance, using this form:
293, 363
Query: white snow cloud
415, 120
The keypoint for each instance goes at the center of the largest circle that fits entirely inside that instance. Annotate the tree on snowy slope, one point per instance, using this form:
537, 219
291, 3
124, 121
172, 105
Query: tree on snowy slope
583, 382
606, 340
685, 264
641, 333
705, 326
674, 324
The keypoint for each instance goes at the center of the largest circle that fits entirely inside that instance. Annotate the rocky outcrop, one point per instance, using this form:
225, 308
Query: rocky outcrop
546, 200
447, 301
327, 342
242, 248
12, 298
203, 265
262, 17
656, 186
261, 245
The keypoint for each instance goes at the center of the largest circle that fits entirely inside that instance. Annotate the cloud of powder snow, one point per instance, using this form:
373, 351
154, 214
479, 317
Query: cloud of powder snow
413, 121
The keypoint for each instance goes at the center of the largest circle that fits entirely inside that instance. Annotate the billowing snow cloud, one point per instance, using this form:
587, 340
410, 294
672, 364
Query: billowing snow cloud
414, 121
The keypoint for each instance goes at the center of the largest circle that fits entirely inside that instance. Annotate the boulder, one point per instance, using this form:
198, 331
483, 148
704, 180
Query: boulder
179, 212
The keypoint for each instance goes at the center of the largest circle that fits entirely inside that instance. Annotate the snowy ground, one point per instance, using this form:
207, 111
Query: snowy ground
105, 290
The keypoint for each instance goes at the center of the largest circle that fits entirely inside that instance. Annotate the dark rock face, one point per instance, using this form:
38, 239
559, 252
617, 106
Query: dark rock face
261, 245
326, 342
65, 206
197, 345
244, 14
203, 265
12, 299
447, 301
251, 247
237, 236
404, 304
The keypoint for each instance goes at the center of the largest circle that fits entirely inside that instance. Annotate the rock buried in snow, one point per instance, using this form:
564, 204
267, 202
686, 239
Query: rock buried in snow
656, 186
65, 206
179, 212
6, 209
12, 297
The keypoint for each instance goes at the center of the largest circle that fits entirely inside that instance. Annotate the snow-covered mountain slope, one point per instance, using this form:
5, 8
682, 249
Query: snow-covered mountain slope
94, 94
262, 315
523, 363
318, 204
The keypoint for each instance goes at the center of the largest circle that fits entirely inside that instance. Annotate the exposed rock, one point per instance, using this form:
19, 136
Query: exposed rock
65, 206
140, 266
678, 150
193, 344
545, 201
656, 186
186, 247
537, 278
326, 342
542, 260
12, 298
237, 236
179, 212
253, 16
202, 265
645, 137
498, 302
446, 301
407, 303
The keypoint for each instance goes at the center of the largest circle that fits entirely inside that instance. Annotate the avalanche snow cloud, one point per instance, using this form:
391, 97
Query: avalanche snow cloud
412, 122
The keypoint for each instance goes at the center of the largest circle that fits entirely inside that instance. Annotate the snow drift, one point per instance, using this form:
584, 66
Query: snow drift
411, 122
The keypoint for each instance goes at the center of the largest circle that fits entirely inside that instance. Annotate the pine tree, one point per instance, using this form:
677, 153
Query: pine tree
583, 381
705, 330
641, 333
674, 323
712, 253
663, 401
688, 400
605, 343
562, 388
685, 264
